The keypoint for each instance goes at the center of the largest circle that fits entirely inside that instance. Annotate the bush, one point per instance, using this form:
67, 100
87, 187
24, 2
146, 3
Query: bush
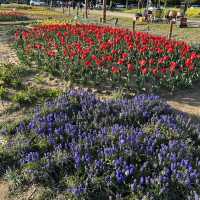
85, 148
32, 95
10, 75
3, 92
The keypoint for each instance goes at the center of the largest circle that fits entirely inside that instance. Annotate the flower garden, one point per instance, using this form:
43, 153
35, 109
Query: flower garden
90, 53
76, 144
90, 149
12, 16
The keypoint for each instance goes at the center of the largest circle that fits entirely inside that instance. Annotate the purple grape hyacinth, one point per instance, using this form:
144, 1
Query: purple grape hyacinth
137, 146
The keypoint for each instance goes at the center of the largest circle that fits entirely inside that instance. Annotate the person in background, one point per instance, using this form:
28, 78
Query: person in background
74, 5
81, 6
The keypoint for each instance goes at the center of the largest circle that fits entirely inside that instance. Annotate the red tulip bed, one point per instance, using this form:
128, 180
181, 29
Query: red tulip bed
12, 16
99, 54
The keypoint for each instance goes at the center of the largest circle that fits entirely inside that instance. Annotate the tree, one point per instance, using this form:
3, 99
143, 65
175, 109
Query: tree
86, 8
140, 4
104, 10
126, 3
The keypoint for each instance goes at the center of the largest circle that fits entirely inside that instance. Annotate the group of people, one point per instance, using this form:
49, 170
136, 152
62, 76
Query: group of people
79, 4
76, 4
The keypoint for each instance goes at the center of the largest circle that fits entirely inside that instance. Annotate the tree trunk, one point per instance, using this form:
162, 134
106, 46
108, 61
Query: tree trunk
126, 4
104, 10
165, 4
86, 8
140, 4
77, 9
111, 2
158, 3
51, 3
69, 7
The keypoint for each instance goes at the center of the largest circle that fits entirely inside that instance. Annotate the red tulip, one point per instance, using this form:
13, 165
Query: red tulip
170, 50
173, 66
130, 47
98, 61
113, 51
151, 61
193, 56
130, 67
144, 71
163, 70
24, 35
38, 46
93, 57
115, 70
51, 53
120, 62
109, 58
166, 58
191, 68
188, 62
124, 55
155, 71
142, 62
88, 64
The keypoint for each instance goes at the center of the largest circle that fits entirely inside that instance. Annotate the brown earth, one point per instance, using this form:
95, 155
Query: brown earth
187, 100
4, 190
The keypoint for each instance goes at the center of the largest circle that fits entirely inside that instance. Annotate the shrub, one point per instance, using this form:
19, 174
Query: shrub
32, 95
10, 75
3, 92
86, 148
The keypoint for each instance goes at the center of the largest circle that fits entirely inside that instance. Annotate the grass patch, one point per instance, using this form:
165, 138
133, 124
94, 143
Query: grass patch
30, 96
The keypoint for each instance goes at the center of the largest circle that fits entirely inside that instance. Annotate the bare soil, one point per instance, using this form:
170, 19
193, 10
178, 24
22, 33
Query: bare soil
187, 100
4, 188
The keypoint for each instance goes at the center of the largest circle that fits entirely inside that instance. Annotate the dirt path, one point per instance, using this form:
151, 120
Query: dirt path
3, 190
187, 100
7, 54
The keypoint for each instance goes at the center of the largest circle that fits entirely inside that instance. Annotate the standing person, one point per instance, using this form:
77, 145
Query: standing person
185, 8
74, 5
78, 5
81, 6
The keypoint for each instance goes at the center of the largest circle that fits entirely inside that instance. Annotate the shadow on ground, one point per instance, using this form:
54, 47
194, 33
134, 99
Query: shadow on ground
187, 100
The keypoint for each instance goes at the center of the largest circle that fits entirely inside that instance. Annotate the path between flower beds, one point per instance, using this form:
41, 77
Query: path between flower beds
3, 190
7, 54
187, 100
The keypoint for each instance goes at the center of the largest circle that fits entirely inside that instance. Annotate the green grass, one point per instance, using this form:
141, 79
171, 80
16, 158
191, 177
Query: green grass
30, 96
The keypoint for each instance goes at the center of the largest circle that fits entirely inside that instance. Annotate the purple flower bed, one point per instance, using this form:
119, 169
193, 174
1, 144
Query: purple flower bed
92, 149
